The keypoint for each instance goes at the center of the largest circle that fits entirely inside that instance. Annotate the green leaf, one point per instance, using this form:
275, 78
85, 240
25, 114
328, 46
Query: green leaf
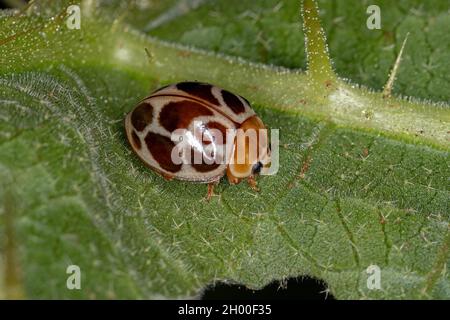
269, 33
363, 179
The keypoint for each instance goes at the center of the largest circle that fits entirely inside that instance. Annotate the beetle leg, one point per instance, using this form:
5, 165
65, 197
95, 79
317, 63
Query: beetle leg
231, 178
210, 192
252, 183
167, 177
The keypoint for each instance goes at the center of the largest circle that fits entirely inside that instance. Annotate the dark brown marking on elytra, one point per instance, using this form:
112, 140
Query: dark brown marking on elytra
199, 90
220, 127
161, 149
233, 102
136, 140
178, 115
203, 166
142, 116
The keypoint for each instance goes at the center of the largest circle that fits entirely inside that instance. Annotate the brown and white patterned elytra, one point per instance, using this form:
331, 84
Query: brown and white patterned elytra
150, 124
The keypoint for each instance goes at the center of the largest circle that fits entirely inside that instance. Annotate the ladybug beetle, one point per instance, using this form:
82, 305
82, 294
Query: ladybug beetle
195, 107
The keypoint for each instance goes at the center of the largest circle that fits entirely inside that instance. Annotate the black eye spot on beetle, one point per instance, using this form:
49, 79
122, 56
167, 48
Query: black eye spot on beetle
257, 168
